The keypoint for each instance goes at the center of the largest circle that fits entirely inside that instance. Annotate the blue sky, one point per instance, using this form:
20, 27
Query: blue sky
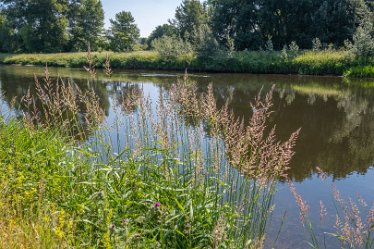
147, 13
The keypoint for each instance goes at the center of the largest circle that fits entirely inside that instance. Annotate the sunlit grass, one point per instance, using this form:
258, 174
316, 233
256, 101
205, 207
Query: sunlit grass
360, 71
323, 62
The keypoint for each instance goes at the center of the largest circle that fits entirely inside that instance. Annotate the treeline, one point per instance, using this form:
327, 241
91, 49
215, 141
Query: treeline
61, 26
237, 25
202, 27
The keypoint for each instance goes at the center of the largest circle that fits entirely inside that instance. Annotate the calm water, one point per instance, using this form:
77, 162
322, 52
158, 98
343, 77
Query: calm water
336, 117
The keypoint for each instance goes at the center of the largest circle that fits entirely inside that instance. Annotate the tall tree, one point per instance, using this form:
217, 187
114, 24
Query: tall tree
250, 23
224, 19
189, 17
124, 32
5, 35
39, 24
286, 21
86, 24
334, 21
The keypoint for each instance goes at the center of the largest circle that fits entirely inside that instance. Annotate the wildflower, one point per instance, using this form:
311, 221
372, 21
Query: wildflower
157, 204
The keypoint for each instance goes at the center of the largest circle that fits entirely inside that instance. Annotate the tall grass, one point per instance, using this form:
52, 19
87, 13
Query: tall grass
329, 62
179, 173
354, 219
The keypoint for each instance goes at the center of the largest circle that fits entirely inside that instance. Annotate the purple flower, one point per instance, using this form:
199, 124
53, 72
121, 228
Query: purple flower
157, 204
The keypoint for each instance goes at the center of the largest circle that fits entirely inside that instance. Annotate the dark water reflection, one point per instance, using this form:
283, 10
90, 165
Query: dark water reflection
336, 117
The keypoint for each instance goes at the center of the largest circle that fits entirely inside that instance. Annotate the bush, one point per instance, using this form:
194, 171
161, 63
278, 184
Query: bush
171, 47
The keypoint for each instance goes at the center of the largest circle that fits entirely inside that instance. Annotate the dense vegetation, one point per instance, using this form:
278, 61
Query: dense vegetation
285, 62
165, 184
238, 25
305, 37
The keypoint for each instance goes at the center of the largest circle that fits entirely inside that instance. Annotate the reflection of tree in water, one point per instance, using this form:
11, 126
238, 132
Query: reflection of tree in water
354, 107
337, 123
126, 95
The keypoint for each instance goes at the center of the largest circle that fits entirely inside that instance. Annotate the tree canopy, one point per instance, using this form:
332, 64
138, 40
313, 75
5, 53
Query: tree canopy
73, 25
86, 22
123, 32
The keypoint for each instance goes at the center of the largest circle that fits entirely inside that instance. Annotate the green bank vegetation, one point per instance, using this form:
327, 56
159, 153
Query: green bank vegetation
285, 62
295, 37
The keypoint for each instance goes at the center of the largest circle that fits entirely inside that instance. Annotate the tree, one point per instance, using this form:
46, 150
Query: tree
86, 22
124, 32
39, 24
189, 17
363, 39
160, 31
224, 20
5, 35
250, 22
334, 21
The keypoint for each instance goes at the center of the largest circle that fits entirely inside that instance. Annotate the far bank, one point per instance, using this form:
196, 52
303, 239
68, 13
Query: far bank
328, 62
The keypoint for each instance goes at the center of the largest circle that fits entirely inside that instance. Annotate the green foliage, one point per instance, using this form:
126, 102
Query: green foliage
51, 26
189, 16
123, 32
170, 56
86, 24
363, 41
40, 25
205, 45
323, 62
160, 31
237, 25
360, 71
171, 48
7, 41
250, 23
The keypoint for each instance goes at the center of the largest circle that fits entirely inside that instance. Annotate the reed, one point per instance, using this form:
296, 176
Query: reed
354, 220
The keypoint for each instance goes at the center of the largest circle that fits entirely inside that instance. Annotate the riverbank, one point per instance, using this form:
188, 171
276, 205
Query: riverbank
338, 63
56, 194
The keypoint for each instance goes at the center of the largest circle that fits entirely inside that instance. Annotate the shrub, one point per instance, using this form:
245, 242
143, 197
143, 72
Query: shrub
363, 41
171, 47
